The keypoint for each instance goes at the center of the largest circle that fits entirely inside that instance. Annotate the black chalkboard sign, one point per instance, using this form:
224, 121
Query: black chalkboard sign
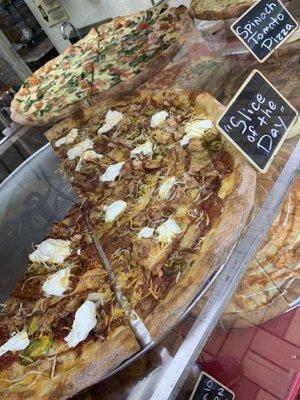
257, 120
208, 388
264, 27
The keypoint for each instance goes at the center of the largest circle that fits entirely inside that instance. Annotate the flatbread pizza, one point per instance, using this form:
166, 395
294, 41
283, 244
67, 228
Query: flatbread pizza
100, 65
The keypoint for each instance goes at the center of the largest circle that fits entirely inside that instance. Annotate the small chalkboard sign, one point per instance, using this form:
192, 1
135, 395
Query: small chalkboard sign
257, 120
264, 27
208, 388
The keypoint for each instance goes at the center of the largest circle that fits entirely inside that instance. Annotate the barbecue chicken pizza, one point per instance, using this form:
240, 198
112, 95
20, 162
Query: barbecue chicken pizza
165, 196
219, 9
111, 59
61, 330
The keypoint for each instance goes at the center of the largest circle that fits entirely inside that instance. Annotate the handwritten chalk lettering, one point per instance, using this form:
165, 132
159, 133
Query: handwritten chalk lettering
269, 42
264, 26
257, 120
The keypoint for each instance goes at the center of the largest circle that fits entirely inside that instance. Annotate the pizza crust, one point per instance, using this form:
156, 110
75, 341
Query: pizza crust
201, 9
95, 362
152, 68
217, 244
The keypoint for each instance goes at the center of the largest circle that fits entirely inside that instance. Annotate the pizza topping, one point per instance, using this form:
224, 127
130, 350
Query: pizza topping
165, 188
79, 149
112, 119
51, 250
145, 148
56, 284
38, 347
146, 233
68, 139
114, 210
158, 118
195, 129
85, 320
167, 230
213, 207
112, 172
17, 342
87, 155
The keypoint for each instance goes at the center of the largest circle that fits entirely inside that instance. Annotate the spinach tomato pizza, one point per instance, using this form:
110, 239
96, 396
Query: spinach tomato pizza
164, 194
111, 59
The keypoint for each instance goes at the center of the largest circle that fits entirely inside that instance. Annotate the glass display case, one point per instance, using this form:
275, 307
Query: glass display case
243, 326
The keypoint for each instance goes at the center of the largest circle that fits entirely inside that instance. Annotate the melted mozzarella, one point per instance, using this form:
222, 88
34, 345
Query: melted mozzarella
51, 250
112, 119
158, 118
195, 129
68, 139
57, 283
164, 190
114, 210
17, 342
145, 148
87, 155
112, 172
85, 320
146, 233
79, 149
167, 230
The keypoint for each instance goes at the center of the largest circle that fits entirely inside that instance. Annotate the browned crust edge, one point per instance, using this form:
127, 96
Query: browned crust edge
116, 348
156, 64
233, 11
256, 317
216, 246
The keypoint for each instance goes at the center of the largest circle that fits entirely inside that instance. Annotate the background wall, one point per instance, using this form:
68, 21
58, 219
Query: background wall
86, 12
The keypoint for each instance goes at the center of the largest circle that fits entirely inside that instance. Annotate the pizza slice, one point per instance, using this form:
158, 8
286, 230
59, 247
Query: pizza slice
219, 9
61, 330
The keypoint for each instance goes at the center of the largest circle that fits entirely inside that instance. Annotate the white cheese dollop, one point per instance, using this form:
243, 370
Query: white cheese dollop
164, 190
167, 230
146, 233
85, 320
51, 250
158, 118
68, 139
195, 129
112, 119
112, 172
79, 148
57, 283
87, 155
145, 148
114, 210
17, 342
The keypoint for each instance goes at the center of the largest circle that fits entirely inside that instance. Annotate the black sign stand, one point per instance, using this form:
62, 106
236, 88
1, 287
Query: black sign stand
257, 120
264, 27
208, 388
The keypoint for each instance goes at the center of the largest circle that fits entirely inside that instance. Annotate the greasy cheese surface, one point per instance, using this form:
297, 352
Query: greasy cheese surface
17, 342
114, 210
68, 139
85, 320
57, 284
51, 251
146, 149
112, 119
112, 172
79, 149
